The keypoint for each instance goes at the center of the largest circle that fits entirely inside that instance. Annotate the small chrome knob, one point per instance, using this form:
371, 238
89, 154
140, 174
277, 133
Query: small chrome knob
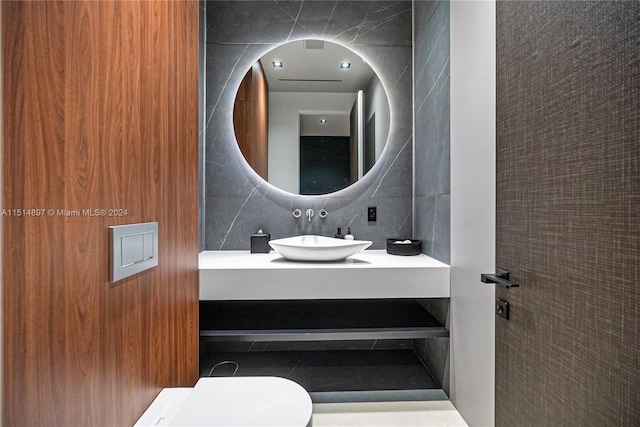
323, 213
297, 213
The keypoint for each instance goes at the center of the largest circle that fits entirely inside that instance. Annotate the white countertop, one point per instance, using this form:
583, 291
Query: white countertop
241, 275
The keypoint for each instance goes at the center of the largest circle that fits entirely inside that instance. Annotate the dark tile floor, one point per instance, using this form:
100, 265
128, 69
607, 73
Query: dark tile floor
327, 370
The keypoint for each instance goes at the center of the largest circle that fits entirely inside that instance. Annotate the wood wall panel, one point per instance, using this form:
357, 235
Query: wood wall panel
251, 119
100, 109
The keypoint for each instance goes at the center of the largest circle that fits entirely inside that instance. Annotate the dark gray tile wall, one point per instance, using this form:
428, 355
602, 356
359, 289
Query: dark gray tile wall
431, 106
201, 120
236, 201
432, 183
434, 352
327, 371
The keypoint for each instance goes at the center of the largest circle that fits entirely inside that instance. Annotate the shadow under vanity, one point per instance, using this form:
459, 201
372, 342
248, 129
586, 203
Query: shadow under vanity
371, 328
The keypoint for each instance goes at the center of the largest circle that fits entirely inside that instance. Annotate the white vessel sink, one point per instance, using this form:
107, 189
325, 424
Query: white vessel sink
317, 248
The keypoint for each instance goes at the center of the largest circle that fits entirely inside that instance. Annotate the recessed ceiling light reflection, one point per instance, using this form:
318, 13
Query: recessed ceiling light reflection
277, 64
345, 65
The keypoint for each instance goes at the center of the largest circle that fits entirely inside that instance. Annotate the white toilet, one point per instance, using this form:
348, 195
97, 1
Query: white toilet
231, 401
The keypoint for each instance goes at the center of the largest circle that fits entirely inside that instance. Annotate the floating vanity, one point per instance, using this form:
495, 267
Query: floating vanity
240, 275
358, 330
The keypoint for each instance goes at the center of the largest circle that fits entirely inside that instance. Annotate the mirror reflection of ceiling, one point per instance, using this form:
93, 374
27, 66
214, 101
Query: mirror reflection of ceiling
314, 66
309, 89
334, 125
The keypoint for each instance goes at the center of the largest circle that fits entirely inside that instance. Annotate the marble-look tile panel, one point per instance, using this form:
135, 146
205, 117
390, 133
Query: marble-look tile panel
236, 219
432, 128
431, 36
432, 151
442, 234
434, 353
424, 214
431, 53
246, 22
382, 23
422, 12
432, 223
201, 125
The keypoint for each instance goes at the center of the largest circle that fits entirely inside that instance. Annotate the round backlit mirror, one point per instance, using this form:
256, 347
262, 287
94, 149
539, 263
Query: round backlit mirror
311, 117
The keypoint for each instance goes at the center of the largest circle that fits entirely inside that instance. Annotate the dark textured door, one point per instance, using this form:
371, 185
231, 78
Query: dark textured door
568, 212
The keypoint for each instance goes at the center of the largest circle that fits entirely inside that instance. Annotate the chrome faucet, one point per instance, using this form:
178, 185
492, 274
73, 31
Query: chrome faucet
309, 214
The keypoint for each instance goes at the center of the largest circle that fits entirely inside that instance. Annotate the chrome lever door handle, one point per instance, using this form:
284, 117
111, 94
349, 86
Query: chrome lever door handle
501, 277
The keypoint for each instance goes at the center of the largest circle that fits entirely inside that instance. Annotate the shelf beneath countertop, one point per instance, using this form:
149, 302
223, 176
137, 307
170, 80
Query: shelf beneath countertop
241, 275
317, 320
337, 375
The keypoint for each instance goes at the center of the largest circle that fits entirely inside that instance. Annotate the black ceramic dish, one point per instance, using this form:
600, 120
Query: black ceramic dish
413, 248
